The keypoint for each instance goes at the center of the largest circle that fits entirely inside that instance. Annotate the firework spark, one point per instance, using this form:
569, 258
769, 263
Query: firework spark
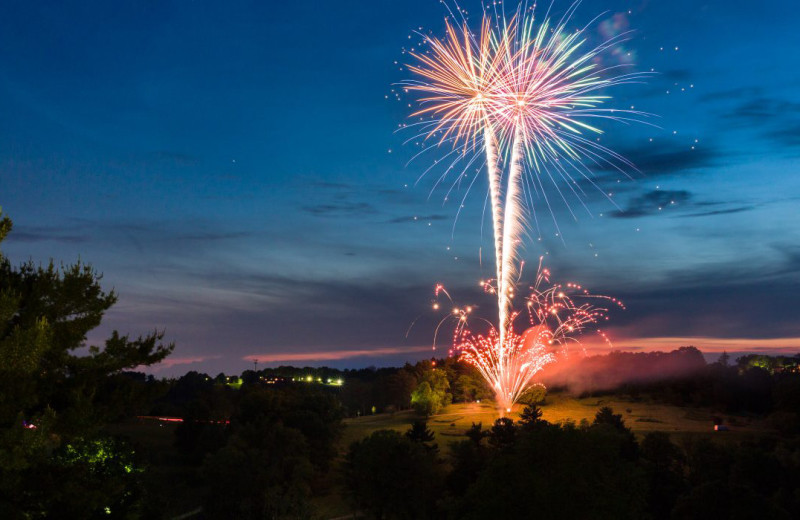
556, 315
520, 94
461, 74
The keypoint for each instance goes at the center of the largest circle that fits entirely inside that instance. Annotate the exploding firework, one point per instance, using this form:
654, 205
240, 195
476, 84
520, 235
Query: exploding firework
521, 95
556, 315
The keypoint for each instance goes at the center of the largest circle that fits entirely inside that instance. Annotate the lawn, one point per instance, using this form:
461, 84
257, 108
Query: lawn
640, 416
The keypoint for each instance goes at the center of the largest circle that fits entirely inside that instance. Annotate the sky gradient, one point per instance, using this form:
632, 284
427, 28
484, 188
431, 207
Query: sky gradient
236, 173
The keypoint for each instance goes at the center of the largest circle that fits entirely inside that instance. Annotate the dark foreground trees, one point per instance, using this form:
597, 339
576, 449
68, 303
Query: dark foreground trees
55, 460
262, 472
541, 470
276, 451
390, 476
535, 469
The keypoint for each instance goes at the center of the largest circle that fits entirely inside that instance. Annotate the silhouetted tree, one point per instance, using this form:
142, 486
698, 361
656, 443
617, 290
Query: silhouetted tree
605, 418
390, 477
503, 433
52, 400
664, 469
476, 434
398, 389
420, 433
356, 396
316, 414
606, 415
531, 417
263, 472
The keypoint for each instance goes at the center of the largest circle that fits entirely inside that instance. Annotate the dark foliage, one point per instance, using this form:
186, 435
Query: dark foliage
55, 459
531, 417
391, 477
600, 471
476, 433
553, 472
420, 434
262, 472
503, 433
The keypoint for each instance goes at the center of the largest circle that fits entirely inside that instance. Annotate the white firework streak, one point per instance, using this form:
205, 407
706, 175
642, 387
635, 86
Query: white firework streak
523, 93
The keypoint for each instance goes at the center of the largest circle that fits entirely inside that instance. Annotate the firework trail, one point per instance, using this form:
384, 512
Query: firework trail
461, 72
523, 96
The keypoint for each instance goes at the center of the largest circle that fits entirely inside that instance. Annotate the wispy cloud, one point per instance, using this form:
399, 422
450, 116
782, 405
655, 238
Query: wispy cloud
735, 93
653, 202
718, 212
341, 209
667, 157
331, 355
773, 118
172, 361
671, 159
47, 234
656, 202
763, 110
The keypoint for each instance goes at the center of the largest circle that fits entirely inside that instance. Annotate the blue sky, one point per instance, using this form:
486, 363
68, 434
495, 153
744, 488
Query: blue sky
235, 173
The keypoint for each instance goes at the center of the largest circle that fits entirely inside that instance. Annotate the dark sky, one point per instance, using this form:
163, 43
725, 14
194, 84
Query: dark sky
234, 170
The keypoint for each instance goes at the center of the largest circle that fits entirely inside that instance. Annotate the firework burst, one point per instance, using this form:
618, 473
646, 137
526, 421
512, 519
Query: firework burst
556, 315
523, 96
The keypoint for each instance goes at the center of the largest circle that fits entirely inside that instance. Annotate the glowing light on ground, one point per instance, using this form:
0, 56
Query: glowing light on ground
556, 315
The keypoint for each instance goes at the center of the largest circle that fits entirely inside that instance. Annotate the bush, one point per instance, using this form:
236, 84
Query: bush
533, 395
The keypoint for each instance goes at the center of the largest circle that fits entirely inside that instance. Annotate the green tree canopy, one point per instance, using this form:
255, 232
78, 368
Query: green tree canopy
432, 393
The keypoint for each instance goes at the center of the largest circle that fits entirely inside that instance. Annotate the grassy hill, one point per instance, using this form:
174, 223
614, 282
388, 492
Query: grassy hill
640, 416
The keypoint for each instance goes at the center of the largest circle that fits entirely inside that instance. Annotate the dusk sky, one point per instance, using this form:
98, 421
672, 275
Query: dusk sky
235, 171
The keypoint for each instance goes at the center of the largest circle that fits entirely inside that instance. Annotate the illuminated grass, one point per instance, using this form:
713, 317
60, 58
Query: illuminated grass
643, 417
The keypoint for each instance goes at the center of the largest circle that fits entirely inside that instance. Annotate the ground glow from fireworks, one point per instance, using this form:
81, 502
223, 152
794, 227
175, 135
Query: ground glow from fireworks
556, 315
519, 95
